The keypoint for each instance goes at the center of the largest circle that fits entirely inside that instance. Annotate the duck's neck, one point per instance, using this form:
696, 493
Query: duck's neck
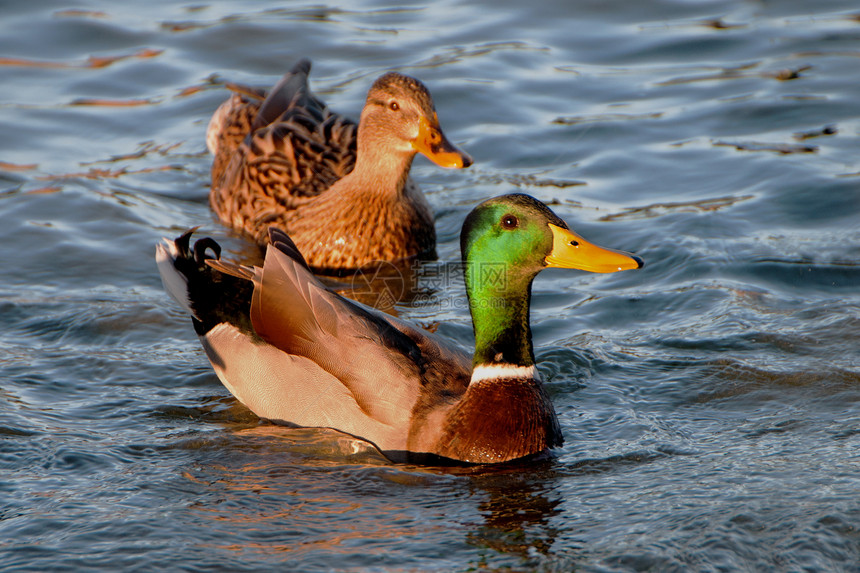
499, 303
379, 169
505, 413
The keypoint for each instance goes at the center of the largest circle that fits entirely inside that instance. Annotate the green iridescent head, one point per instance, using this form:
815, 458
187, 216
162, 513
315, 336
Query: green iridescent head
506, 241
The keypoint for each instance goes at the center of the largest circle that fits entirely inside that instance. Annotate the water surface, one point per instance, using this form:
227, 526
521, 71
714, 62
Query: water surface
710, 402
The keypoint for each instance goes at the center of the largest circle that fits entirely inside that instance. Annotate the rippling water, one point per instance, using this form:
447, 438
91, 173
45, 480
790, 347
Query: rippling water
710, 402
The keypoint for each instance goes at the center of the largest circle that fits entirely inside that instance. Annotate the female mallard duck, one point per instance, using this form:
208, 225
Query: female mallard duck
295, 352
341, 191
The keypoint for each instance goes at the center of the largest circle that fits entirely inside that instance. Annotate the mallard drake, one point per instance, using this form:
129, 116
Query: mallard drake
295, 352
341, 191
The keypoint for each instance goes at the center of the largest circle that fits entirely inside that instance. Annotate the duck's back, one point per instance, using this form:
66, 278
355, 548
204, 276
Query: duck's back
295, 352
275, 154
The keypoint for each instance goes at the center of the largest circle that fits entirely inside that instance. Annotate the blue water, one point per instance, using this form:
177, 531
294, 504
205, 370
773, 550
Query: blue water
710, 402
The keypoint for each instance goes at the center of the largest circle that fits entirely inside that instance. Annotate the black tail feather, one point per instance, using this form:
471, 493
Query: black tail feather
215, 297
292, 90
282, 241
200, 247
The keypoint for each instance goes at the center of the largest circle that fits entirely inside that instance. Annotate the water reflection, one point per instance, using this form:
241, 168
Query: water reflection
518, 512
307, 496
305, 493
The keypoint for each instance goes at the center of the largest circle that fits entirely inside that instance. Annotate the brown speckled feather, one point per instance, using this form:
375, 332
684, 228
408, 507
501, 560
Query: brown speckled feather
290, 162
230, 125
277, 153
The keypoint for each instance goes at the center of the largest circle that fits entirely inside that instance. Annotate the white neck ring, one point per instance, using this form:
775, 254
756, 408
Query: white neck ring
486, 372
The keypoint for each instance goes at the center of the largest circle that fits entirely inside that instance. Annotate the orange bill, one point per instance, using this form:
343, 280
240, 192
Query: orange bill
433, 143
571, 251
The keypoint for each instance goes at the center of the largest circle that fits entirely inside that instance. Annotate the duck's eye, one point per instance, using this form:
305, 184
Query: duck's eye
394, 106
510, 221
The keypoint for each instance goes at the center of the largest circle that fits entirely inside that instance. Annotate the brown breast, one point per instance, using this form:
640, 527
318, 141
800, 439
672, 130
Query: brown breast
500, 420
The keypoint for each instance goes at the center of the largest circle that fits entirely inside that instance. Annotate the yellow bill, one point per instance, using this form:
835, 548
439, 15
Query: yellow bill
433, 143
571, 251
